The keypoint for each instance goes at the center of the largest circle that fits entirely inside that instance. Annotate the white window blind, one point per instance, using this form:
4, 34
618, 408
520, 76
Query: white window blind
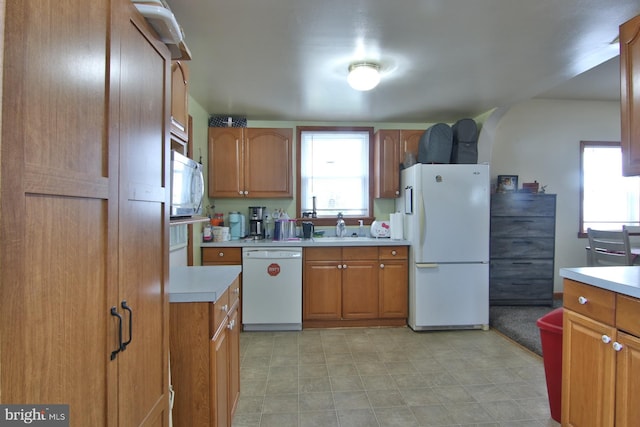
334, 167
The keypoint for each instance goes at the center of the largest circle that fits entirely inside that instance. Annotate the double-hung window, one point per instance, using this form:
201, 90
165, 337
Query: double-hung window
608, 199
334, 171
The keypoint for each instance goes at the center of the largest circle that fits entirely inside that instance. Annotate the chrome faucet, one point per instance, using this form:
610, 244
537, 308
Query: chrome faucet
341, 227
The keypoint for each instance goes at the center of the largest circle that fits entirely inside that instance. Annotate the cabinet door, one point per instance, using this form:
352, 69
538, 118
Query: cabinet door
322, 297
268, 162
410, 142
387, 163
234, 361
180, 99
360, 290
143, 237
630, 95
393, 276
225, 162
588, 372
220, 380
627, 384
58, 218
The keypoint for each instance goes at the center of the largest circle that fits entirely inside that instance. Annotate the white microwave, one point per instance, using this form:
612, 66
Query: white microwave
187, 186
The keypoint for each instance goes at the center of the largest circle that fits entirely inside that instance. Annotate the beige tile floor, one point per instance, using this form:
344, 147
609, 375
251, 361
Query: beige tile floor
379, 377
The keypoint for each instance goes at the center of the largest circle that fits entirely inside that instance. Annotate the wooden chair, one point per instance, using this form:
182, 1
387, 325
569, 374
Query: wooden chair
608, 248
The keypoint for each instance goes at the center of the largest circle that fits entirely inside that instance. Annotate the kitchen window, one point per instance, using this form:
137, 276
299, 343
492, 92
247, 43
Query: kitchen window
608, 199
334, 166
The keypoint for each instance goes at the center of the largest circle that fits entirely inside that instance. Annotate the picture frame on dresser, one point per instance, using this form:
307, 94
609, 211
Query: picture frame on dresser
507, 183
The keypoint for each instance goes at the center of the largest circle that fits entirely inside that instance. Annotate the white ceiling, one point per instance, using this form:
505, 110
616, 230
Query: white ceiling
441, 60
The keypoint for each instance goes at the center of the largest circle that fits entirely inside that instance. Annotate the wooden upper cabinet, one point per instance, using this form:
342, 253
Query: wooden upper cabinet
390, 147
250, 162
180, 99
630, 95
226, 174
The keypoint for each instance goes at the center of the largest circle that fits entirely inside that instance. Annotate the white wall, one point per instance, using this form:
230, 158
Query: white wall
540, 140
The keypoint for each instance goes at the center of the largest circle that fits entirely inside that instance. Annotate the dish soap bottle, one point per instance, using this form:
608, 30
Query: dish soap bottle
361, 228
341, 227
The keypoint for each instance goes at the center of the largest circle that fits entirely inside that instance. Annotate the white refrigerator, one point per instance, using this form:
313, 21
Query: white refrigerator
446, 219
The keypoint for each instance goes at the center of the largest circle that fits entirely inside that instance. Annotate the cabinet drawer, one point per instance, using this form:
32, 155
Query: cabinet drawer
522, 248
506, 226
393, 252
523, 204
228, 256
521, 269
359, 253
627, 318
322, 254
234, 292
220, 309
598, 304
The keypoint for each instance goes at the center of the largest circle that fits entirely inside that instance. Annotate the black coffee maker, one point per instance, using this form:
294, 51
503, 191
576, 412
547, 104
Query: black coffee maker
256, 222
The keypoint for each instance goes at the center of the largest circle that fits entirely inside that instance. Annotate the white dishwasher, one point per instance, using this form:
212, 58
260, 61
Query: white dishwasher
272, 289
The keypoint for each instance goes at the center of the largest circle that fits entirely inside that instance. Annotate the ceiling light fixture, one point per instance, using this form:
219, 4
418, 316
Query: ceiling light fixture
363, 76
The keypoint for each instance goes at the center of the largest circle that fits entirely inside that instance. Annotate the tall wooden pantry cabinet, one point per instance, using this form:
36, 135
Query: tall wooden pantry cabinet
84, 212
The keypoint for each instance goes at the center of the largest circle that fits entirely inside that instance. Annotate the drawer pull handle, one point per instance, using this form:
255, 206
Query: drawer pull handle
606, 339
381, 265
224, 308
220, 253
236, 290
582, 300
231, 325
617, 346
394, 253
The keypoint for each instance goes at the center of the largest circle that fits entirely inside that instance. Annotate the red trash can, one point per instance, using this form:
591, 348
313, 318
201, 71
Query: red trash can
551, 337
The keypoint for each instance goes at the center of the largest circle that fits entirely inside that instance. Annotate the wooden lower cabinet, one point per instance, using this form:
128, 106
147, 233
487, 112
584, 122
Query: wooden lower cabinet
601, 358
357, 286
205, 360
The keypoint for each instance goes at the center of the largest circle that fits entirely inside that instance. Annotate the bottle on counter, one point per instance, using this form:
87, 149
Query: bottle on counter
207, 235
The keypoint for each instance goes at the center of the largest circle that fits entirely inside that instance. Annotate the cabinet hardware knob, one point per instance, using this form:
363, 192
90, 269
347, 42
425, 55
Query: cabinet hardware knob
381, 265
606, 339
394, 253
344, 265
240, 192
339, 266
220, 253
231, 325
617, 346
582, 300
236, 290
224, 307
246, 192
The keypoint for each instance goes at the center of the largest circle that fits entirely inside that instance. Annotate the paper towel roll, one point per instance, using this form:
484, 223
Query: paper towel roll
396, 221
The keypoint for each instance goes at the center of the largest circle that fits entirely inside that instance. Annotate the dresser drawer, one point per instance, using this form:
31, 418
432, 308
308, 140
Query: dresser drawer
522, 247
523, 204
521, 289
596, 303
221, 256
520, 269
627, 318
506, 226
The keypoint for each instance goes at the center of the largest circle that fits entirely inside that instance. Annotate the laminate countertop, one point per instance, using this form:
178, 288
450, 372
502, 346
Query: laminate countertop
313, 242
623, 280
200, 283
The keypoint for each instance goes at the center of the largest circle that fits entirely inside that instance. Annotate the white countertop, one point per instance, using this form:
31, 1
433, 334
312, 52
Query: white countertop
314, 242
623, 280
200, 283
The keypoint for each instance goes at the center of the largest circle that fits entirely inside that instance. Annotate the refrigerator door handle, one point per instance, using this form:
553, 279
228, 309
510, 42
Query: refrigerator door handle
426, 265
421, 221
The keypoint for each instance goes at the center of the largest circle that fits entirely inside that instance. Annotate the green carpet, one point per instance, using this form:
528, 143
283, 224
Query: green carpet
519, 323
